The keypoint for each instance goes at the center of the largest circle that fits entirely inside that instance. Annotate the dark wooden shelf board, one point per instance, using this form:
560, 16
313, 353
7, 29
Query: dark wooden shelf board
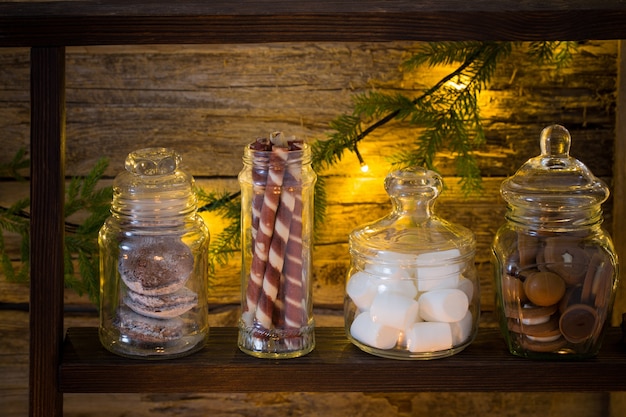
251, 21
335, 366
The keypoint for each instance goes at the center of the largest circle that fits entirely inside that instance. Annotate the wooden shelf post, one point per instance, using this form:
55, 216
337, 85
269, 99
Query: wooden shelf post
46, 228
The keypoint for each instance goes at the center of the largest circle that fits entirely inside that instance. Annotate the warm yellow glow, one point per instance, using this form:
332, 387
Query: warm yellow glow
364, 167
214, 222
459, 84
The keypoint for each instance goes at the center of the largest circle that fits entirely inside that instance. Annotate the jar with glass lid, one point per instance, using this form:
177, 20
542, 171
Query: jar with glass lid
153, 261
412, 290
555, 267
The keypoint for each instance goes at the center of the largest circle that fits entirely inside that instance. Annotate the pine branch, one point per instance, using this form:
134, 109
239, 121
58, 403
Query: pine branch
228, 241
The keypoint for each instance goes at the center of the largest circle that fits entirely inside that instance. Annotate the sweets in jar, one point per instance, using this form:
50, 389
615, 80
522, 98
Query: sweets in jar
412, 288
555, 267
277, 217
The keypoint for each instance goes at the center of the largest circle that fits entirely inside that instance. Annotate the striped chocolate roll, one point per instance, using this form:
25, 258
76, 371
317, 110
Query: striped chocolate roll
265, 231
276, 259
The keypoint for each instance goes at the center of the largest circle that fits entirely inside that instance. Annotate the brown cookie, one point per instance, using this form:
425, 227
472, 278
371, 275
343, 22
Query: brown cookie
565, 256
527, 246
546, 330
572, 296
513, 290
542, 347
529, 312
578, 323
598, 281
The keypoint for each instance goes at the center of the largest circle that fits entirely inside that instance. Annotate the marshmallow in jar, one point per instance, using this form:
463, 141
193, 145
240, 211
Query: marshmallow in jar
555, 267
153, 261
412, 288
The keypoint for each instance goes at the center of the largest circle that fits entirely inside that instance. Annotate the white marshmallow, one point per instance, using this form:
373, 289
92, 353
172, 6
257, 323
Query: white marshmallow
447, 305
388, 263
405, 259
431, 274
428, 337
373, 334
361, 288
462, 329
405, 287
467, 286
394, 310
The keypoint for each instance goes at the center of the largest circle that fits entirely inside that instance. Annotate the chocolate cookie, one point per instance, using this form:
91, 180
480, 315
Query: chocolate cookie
155, 265
162, 306
146, 330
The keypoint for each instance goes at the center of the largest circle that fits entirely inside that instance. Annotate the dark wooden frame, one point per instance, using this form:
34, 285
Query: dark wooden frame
78, 363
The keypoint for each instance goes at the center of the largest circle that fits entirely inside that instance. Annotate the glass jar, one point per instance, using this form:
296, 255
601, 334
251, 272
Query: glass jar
412, 290
555, 267
277, 184
153, 261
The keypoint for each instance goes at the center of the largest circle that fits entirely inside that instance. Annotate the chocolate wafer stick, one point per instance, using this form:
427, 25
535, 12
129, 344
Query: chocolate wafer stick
295, 314
276, 259
294, 304
267, 219
259, 180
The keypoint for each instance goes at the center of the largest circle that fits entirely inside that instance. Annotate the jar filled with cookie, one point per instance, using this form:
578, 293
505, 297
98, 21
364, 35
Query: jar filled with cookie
412, 290
153, 261
555, 267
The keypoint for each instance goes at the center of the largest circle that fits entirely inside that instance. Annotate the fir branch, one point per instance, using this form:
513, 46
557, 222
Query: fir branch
449, 116
14, 166
228, 206
80, 241
547, 52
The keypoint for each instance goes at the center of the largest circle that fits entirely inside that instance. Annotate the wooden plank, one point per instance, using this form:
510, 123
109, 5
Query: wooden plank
619, 184
210, 100
14, 398
335, 366
46, 228
140, 22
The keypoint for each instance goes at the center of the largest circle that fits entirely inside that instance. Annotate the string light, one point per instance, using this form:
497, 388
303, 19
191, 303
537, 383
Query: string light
364, 167
460, 84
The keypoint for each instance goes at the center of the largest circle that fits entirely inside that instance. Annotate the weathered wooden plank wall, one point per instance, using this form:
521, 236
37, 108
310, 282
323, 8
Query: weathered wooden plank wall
209, 101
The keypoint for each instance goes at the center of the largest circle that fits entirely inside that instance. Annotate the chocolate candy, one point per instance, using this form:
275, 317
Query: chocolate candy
544, 288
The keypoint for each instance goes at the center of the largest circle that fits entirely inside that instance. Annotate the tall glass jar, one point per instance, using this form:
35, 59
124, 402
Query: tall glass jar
555, 267
277, 184
153, 261
412, 290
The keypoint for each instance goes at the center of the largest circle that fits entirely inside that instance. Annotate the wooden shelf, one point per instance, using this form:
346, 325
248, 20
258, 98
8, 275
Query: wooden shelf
335, 365
79, 364
250, 21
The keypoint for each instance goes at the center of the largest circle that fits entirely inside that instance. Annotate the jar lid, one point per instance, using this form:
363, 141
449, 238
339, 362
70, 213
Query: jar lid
152, 183
412, 228
554, 181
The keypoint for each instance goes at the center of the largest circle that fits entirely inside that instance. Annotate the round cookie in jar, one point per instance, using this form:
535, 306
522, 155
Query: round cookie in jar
555, 267
412, 290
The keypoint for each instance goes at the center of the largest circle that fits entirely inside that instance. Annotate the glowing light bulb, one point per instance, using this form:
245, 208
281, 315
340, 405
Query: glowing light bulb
364, 167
